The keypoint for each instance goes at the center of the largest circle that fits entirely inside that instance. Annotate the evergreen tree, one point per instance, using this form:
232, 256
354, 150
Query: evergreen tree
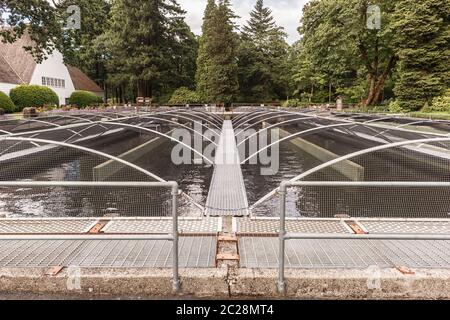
422, 40
263, 57
204, 57
79, 48
147, 41
217, 78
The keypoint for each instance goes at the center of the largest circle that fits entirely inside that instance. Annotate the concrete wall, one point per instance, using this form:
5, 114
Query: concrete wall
230, 283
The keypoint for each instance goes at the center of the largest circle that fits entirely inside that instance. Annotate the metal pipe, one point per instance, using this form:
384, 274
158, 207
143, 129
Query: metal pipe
74, 237
282, 239
331, 236
84, 184
356, 184
176, 278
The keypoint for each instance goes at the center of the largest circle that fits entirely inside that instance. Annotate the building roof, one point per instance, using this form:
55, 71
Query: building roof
81, 81
7, 74
17, 60
17, 66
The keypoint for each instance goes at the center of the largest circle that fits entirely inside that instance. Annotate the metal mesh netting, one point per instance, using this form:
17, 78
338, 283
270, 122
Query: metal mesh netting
65, 201
369, 202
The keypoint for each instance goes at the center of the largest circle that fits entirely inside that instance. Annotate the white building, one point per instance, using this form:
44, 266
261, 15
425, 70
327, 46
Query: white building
17, 66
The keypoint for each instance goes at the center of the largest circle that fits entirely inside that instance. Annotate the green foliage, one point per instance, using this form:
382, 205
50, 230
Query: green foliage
439, 104
149, 47
43, 22
80, 47
422, 43
184, 96
25, 96
83, 99
295, 103
263, 54
217, 69
338, 49
396, 107
6, 103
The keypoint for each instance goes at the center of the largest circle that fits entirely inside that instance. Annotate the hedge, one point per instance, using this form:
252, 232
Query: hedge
33, 96
84, 99
6, 103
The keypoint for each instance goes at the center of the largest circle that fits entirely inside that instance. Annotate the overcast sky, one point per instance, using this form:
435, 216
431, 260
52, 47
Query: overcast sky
286, 12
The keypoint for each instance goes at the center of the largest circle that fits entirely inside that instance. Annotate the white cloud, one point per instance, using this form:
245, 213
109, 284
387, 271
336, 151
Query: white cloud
287, 13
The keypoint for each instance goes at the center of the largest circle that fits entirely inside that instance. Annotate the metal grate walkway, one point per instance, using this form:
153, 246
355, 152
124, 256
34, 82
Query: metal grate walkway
359, 254
227, 195
195, 252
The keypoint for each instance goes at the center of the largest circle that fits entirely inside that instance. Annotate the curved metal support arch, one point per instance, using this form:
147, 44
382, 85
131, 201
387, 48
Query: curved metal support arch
209, 114
182, 117
244, 114
406, 124
187, 114
349, 157
353, 124
292, 136
271, 117
274, 126
88, 150
164, 136
181, 125
251, 116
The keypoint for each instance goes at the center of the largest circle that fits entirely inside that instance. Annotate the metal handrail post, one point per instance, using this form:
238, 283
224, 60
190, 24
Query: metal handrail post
281, 253
176, 277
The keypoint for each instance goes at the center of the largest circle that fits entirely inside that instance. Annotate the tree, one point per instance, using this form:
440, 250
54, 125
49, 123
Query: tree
79, 48
338, 42
203, 76
42, 21
149, 47
422, 43
263, 54
217, 78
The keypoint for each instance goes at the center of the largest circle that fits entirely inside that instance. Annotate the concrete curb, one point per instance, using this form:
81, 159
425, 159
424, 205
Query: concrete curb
231, 283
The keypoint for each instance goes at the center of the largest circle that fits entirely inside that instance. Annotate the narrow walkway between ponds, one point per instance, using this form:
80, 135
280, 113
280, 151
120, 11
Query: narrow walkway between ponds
227, 195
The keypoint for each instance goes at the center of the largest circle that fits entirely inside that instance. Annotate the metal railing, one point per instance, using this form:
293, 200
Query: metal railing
284, 235
173, 237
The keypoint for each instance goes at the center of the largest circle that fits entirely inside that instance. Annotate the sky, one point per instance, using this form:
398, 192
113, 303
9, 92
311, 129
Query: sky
287, 13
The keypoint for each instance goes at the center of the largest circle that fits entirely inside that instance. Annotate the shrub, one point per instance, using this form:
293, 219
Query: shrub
25, 96
84, 99
395, 107
184, 96
440, 104
6, 103
297, 103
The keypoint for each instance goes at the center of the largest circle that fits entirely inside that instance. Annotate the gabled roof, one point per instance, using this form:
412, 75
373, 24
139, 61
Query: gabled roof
17, 60
81, 81
17, 66
7, 74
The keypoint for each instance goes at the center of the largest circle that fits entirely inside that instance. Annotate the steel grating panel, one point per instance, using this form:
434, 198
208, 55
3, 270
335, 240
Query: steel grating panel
39, 226
410, 226
208, 225
360, 254
227, 195
272, 226
195, 252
